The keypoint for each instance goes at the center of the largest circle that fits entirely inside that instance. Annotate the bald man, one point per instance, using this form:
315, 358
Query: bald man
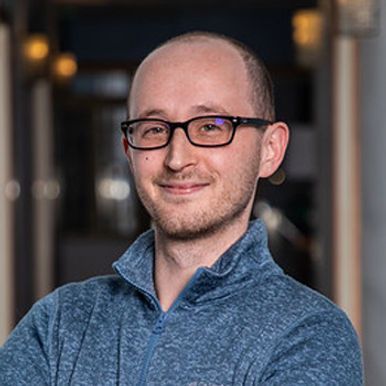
198, 300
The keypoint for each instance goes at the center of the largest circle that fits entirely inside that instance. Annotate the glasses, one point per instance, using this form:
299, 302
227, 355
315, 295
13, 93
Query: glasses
205, 131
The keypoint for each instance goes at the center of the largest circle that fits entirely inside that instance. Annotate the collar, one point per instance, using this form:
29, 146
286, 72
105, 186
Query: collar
238, 267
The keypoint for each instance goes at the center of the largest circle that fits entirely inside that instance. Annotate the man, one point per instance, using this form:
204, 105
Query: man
198, 300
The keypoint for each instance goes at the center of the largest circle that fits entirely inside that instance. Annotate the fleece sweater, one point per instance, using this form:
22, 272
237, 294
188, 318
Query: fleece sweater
240, 322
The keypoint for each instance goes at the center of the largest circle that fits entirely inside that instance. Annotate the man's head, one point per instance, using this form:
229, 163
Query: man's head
194, 191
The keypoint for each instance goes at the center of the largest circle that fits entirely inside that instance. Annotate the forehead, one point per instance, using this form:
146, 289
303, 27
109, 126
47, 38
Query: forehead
205, 71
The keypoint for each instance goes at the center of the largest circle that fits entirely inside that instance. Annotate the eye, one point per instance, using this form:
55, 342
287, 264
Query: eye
152, 129
212, 128
155, 130
209, 127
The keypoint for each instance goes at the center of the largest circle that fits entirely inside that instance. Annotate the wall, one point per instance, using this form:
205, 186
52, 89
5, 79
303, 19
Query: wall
373, 91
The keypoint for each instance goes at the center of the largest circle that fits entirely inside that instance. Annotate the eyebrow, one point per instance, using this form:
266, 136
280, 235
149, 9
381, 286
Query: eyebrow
152, 112
210, 108
205, 108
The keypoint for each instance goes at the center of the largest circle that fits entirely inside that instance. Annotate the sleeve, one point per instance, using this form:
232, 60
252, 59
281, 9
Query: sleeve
24, 358
321, 349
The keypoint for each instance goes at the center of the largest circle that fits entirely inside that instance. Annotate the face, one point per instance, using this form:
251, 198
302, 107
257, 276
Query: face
191, 191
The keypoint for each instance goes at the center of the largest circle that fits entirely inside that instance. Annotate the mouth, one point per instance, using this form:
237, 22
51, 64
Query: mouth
185, 188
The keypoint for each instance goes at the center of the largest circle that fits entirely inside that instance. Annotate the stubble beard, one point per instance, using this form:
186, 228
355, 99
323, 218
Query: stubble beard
202, 221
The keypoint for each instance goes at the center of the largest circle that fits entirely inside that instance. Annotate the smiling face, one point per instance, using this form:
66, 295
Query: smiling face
191, 191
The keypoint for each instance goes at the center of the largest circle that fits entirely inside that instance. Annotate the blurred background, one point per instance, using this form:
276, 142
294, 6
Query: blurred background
68, 206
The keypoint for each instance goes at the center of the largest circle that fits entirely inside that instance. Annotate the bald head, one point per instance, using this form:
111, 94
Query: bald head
198, 55
260, 81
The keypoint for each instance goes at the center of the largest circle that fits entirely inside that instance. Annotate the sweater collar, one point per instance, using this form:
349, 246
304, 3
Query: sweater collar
236, 268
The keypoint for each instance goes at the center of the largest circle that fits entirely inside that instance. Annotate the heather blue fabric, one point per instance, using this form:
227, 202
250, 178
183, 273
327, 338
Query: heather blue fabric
241, 322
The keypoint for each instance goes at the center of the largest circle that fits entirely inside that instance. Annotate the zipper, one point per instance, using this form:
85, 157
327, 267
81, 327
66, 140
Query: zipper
155, 335
159, 328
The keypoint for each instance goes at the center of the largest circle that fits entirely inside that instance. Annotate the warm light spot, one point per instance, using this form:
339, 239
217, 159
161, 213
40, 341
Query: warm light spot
36, 48
307, 24
65, 65
307, 35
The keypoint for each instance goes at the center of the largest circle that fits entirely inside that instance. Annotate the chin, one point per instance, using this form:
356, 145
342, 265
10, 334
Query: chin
195, 226
183, 231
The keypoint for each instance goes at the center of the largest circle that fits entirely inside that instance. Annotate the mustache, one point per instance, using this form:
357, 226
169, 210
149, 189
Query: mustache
191, 176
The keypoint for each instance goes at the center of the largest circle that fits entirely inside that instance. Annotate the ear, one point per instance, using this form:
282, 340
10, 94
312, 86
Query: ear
127, 151
273, 146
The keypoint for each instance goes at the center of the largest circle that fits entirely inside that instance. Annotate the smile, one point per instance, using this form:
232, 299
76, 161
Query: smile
183, 189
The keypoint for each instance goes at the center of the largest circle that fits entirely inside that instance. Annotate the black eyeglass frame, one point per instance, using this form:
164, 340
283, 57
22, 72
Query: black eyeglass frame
236, 122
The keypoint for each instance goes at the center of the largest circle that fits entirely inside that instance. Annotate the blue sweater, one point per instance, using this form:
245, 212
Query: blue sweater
240, 322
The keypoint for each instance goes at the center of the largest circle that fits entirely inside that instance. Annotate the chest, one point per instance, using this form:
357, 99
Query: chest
210, 345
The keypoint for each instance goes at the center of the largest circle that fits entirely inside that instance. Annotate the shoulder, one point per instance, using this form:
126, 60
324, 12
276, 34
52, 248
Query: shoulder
75, 301
69, 308
82, 296
34, 345
308, 332
99, 286
290, 306
290, 300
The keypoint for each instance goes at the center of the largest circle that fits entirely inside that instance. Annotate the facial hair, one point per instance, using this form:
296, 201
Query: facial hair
226, 204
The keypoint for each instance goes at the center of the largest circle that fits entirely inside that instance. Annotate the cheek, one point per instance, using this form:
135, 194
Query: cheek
242, 164
144, 165
224, 166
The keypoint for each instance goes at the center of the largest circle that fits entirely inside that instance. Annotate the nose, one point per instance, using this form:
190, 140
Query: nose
180, 152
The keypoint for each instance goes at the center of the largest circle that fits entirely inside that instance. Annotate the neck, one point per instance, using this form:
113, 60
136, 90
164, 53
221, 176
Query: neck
176, 261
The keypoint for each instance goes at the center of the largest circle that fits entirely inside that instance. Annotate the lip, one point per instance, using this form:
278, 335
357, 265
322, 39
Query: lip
182, 188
